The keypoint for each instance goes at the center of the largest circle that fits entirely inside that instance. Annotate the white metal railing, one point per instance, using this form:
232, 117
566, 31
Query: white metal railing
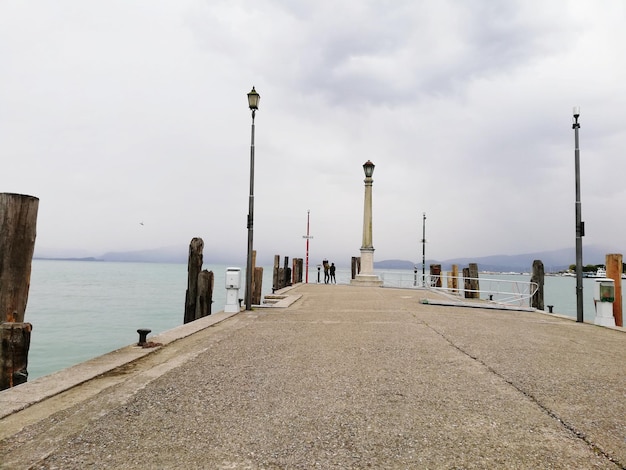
501, 291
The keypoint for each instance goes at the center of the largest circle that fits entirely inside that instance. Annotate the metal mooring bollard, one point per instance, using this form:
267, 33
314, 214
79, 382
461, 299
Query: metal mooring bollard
550, 307
143, 334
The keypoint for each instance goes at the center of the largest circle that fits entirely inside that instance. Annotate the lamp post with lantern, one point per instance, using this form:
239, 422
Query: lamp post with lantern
580, 226
424, 249
253, 103
308, 237
367, 277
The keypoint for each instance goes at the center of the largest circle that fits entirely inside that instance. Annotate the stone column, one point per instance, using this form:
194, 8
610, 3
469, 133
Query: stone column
367, 277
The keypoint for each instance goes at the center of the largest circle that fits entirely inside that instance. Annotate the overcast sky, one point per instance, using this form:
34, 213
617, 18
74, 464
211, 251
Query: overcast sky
116, 113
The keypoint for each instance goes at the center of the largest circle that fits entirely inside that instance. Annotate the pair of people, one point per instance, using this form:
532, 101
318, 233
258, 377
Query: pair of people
329, 273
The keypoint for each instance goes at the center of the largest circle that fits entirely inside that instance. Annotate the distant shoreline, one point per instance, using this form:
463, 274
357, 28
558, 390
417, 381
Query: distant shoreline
88, 258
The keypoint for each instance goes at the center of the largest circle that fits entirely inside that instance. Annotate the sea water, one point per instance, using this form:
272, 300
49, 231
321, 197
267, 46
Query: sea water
83, 309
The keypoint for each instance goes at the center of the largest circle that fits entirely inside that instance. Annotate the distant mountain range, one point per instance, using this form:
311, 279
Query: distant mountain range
553, 261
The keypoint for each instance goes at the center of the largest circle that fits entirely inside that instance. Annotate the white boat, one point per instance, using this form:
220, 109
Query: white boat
601, 272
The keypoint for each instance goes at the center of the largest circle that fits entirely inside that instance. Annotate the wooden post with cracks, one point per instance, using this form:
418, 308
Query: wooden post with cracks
18, 229
537, 276
199, 294
614, 271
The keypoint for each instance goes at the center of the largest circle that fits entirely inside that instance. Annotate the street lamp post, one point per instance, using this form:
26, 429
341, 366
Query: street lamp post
424, 250
308, 237
580, 226
253, 103
367, 277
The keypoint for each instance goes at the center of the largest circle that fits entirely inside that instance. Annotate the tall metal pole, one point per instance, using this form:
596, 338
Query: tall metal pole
580, 226
250, 222
308, 237
424, 250
253, 103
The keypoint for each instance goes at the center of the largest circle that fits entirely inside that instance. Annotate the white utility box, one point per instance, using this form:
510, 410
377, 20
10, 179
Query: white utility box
233, 283
603, 298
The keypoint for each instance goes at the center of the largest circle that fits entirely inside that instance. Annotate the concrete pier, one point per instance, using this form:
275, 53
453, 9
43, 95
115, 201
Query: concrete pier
344, 377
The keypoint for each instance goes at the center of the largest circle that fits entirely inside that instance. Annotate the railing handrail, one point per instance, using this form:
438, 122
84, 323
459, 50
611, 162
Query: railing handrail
503, 291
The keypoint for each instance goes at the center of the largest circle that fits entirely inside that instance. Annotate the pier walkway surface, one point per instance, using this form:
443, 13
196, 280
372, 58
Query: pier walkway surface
345, 377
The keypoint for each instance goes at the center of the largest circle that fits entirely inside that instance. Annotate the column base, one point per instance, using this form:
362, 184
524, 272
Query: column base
366, 280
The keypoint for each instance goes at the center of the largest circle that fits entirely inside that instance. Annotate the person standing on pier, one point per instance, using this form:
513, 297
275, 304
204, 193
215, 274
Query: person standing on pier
332, 273
326, 267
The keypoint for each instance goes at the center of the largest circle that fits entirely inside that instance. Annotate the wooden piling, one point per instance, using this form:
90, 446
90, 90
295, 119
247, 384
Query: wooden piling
296, 270
473, 281
18, 229
537, 276
275, 273
435, 275
253, 287
466, 284
257, 283
281, 275
281, 278
14, 345
194, 266
355, 266
455, 278
286, 273
204, 294
614, 268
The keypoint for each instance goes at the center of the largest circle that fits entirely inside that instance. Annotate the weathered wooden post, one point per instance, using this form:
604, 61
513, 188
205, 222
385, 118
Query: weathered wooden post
435, 275
18, 230
14, 345
257, 284
355, 266
194, 266
275, 278
455, 278
474, 285
199, 294
287, 273
296, 270
204, 298
467, 285
537, 276
614, 271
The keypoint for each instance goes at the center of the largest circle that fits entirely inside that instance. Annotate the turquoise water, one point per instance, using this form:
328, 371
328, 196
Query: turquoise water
81, 309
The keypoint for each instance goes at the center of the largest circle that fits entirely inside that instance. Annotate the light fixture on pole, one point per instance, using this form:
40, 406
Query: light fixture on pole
367, 277
253, 103
424, 250
308, 237
580, 226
